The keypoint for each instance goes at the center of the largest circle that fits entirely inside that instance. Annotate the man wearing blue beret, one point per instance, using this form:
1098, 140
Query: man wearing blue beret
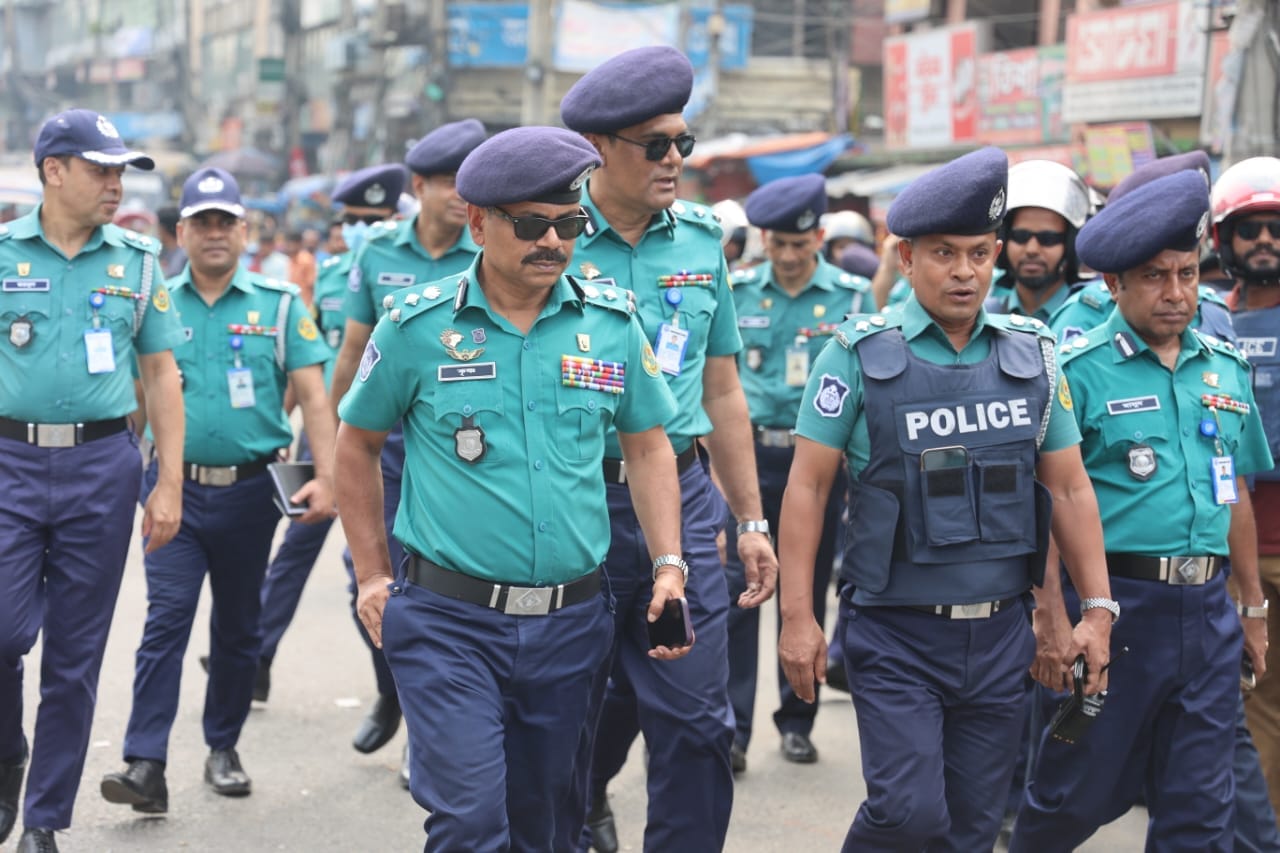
1170, 431
509, 377
667, 254
956, 432
787, 309
433, 244
367, 196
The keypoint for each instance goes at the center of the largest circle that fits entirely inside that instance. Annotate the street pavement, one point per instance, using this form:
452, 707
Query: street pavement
312, 792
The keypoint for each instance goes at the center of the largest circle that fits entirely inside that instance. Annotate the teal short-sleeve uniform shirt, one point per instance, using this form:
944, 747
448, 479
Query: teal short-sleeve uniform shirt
783, 334
329, 305
235, 365
1092, 304
847, 429
1150, 436
392, 258
679, 279
51, 327
1010, 302
505, 432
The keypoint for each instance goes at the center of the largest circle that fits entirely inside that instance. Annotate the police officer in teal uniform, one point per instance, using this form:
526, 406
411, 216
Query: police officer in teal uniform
1170, 431
787, 308
955, 432
508, 377
79, 300
367, 196
667, 253
395, 254
248, 338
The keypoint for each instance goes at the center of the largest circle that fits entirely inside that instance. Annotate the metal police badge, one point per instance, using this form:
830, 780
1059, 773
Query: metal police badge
806, 220
210, 185
1142, 462
831, 396
468, 441
375, 194
996, 209
755, 358
21, 332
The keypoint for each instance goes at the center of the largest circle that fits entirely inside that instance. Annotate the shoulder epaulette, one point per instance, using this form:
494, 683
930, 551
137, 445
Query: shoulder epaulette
1020, 323
861, 326
379, 230
745, 276
698, 214
1219, 345
1082, 343
1208, 294
611, 296
5, 233
331, 261
116, 235
850, 281
277, 284
404, 305
1096, 297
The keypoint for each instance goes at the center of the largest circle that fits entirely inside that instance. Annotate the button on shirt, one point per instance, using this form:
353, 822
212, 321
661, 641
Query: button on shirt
532, 509
392, 258
45, 312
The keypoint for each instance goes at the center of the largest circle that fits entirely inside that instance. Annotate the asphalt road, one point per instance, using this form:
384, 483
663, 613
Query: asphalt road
313, 793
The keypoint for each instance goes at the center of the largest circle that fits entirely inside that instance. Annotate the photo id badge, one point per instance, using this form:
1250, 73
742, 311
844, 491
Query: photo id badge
1224, 480
797, 365
240, 384
672, 342
100, 352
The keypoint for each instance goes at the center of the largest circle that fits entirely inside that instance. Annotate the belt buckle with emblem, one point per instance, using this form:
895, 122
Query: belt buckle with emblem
528, 601
468, 441
1187, 571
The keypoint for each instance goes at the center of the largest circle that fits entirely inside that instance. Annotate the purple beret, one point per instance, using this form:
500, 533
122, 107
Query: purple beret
1171, 212
792, 205
89, 136
373, 186
859, 260
442, 150
1197, 161
965, 197
628, 89
210, 189
548, 164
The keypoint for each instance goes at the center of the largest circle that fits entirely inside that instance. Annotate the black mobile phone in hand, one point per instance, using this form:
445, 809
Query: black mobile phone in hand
674, 628
1248, 679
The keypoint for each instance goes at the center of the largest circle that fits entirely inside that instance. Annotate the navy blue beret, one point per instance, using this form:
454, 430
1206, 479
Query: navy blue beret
442, 150
860, 260
792, 205
966, 197
628, 89
547, 164
372, 186
210, 189
1196, 161
89, 136
1171, 212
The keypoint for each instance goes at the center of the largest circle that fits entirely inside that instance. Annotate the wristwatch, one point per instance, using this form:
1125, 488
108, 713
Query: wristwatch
753, 527
1110, 605
671, 560
1258, 612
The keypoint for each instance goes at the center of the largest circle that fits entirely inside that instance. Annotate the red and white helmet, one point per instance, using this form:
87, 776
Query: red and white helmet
1249, 186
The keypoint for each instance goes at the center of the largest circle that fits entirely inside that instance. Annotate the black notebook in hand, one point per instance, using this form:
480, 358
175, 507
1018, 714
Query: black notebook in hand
288, 477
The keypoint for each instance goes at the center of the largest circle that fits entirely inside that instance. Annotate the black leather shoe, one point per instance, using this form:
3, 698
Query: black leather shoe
404, 769
798, 749
604, 835
738, 759
379, 726
10, 791
224, 774
262, 681
37, 841
141, 785
837, 679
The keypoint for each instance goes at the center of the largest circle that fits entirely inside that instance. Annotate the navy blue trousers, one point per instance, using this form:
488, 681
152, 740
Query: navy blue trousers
226, 534
495, 705
65, 525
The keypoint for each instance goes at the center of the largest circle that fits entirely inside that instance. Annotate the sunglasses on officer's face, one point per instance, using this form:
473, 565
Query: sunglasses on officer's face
656, 149
1252, 229
366, 218
1022, 236
531, 228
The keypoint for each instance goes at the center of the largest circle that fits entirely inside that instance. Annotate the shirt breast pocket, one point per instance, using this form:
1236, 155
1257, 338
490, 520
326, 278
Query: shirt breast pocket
25, 316
696, 308
588, 413
1137, 440
463, 405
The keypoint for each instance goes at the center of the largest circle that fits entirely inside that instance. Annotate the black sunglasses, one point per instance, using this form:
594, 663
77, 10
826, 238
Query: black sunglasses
1252, 229
366, 218
656, 149
531, 228
1044, 238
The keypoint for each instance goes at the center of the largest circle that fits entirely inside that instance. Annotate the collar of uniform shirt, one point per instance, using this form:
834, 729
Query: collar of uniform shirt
1117, 325
916, 321
474, 297
599, 225
240, 281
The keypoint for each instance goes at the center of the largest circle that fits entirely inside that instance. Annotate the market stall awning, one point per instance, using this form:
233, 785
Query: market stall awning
773, 157
875, 182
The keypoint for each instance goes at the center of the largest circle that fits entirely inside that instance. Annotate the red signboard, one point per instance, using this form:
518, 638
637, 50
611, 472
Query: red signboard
1132, 42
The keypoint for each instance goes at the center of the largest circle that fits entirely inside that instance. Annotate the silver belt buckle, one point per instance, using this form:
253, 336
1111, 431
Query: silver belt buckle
1185, 571
981, 610
212, 476
528, 600
777, 438
622, 472
55, 435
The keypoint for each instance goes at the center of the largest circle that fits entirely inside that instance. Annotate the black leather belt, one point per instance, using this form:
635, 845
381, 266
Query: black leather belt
60, 435
515, 600
615, 470
981, 610
775, 437
1178, 571
225, 475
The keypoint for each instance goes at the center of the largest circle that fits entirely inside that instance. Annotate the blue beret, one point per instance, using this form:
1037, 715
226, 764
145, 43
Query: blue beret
788, 204
965, 197
442, 150
860, 260
628, 89
1196, 161
1171, 212
373, 186
210, 189
89, 136
547, 164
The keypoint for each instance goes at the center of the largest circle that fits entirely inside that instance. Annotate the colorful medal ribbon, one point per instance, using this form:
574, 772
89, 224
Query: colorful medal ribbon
823, 330
1224, 403
111, 290
593, 373
684, 278
242, 329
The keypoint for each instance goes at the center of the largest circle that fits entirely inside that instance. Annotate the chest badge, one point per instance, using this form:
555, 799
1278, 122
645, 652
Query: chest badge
589, 270
115, 270
766, 304
254, 318
21, 332
451, 338
819, 311
468, 441
1210, 379
584, 342
24, 269
1142, 462
755, 358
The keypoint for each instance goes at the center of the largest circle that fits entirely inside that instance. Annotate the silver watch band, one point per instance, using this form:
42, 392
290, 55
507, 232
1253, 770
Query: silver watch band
1107, 604
671, 560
